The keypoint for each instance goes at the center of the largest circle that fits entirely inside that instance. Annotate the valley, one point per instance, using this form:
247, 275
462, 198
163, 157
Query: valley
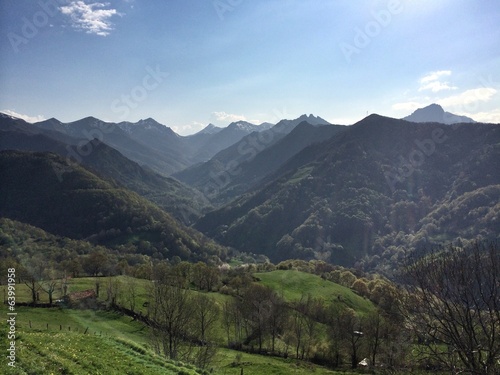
300, 246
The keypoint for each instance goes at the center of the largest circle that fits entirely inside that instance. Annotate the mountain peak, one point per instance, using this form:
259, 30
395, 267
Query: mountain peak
210, 129
313, 120
242, 125
435, 113
5, 115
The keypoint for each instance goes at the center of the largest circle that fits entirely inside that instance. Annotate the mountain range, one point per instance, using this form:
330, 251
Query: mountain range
359, 195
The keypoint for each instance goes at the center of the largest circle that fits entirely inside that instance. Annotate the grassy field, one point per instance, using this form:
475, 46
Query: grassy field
43, 353
295, 284
230, 362
68, 341
114, 344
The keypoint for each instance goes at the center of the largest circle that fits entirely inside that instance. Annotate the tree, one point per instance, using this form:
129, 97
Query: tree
374, 333
453, 304
277, 317
351, 333
170, 313
298, 328
31, 273
49, 283
231, 317
131, 292
95, 263
112, 290
206, 314
308, 307
255, 307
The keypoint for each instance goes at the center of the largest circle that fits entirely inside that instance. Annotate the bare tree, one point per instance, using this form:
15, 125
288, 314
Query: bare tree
298, 329
31, 273
374, 333
256, 310
112, 290
49, 283
453, 302
350, 330
205, 314
170, 312
277, 318
131, 292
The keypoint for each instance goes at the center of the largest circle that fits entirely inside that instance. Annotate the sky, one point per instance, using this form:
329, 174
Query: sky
187, 63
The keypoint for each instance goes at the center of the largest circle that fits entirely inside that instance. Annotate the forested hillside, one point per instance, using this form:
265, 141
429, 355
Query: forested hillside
84, 206
381, 187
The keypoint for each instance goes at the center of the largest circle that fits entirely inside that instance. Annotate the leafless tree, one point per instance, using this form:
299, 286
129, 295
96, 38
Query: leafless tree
131, 292
31, 273
255, 307
49, 283
205, 315
171, 316
453, 305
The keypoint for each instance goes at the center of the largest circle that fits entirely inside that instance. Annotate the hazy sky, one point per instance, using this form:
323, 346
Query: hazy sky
190, 62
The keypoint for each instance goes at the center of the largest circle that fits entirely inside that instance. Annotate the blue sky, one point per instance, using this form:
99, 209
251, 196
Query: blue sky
187, 63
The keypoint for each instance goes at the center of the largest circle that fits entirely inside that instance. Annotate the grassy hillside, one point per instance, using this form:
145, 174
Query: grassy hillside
42, 353
114, 344
295, 284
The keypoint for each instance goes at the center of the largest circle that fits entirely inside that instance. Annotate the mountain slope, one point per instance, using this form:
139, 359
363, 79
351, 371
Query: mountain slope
364, 193
162, 161
83, 206
184, 203
243, 165
205, 145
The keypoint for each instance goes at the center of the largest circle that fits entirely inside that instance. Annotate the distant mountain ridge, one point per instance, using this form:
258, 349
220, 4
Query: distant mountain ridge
436, 113
152, 144
184, 203
361, 196
242, 166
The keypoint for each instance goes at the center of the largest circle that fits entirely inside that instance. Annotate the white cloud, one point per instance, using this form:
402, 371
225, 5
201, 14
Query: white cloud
436, 86
92, 18
218, 117
480, 103
492, 117
469, 97
434, 76
432, 82
24, 117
